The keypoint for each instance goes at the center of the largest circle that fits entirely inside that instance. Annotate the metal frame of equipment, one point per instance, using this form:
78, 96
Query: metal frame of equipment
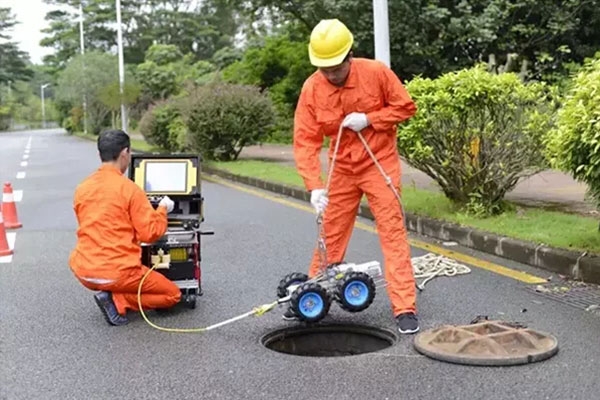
178, 253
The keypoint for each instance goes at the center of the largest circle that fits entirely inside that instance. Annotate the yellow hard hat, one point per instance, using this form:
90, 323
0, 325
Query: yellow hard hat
330, 42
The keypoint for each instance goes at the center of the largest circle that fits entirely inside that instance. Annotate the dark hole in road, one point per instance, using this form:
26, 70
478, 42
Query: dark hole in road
329, 340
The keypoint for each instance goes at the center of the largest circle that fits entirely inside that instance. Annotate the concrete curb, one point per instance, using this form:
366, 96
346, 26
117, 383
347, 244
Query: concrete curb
572, 264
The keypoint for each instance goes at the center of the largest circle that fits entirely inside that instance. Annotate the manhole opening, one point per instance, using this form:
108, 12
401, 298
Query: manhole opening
329, 340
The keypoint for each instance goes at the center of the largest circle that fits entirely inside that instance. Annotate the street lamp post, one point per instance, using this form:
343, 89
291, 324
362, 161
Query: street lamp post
121, 67
381, 30
44, 86
81, 43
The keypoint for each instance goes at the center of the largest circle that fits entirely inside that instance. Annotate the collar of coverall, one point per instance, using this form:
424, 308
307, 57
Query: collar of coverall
109, 167
351, 82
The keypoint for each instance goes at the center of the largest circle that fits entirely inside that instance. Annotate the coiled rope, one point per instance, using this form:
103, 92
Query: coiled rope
430, 266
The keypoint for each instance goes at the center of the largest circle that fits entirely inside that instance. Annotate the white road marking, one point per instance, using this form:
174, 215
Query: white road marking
21, 175
11, 237
25, 157
23, 163
28, 146
17, 195
27, 151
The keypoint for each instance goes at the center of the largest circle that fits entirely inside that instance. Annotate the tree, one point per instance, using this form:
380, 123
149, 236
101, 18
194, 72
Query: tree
198, 31
92, 75
14, 68
110, 96
63, 31
281, 65
13, 62
158, 73
165, 71
430, 38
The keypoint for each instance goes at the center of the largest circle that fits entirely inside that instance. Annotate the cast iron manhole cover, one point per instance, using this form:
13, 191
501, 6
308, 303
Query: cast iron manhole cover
329, 340
486, 343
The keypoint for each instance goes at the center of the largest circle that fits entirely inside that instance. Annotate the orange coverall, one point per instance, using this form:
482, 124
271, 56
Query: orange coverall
114, 216
373, 89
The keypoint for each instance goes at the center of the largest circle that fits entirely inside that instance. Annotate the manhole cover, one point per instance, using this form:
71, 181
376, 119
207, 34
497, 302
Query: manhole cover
329, 340
486, 343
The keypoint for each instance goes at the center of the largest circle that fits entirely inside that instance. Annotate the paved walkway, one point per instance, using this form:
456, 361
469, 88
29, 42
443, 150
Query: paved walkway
550, 188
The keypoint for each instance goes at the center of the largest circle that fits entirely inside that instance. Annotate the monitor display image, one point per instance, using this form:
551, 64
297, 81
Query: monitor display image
164, 176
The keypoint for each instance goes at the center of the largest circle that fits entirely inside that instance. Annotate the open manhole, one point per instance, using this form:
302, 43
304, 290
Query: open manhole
329, 340
491, 343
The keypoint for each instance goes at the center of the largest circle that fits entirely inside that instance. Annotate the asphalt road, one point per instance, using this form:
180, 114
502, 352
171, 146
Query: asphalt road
56, 345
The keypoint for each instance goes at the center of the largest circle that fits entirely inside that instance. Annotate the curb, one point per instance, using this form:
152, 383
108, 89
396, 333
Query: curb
572, 264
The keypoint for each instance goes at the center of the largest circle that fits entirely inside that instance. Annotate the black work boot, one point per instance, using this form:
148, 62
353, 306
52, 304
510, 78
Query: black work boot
109, 310
407, 323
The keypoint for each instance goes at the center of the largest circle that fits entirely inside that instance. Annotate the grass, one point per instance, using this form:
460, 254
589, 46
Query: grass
553, 228
261, 170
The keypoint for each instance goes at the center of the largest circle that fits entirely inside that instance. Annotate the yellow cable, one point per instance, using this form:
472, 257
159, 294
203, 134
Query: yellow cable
259, 311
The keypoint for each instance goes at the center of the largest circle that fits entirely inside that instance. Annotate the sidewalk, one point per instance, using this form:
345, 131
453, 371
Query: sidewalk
550, 189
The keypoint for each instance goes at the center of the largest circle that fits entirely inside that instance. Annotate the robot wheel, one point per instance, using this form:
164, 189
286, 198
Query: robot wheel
310, 302
295, 278
190, 300
355, 291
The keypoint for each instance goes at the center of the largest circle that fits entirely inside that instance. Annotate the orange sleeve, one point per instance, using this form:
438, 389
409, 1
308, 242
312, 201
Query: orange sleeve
308, 141
149, 224
399, 106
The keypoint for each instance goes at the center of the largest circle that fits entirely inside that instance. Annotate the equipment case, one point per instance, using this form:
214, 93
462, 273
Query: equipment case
178, 252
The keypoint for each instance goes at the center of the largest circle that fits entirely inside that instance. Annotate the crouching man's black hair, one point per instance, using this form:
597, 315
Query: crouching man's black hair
111, 143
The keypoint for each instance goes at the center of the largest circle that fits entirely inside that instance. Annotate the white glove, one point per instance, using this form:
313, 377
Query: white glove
319, 200
168, 203
356, 121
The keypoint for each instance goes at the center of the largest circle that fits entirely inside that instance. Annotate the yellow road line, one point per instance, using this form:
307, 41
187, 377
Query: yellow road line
482, 264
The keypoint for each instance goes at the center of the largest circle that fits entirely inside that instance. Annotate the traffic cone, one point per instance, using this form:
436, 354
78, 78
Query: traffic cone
4, 249
9, 209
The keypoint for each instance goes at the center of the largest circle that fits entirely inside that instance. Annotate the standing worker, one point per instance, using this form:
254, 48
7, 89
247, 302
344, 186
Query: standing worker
365, 96
114, 216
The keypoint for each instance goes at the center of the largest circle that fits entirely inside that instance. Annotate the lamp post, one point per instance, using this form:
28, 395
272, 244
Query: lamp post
81, 43
44, 86
121, 67
381, 30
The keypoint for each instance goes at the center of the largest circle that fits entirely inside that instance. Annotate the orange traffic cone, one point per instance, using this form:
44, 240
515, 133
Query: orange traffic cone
4, 249
9, 209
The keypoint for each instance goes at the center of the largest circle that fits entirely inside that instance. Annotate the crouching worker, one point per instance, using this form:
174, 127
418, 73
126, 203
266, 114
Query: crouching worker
114, 217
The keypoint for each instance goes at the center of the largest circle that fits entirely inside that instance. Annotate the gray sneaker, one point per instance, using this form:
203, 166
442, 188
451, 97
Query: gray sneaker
407, 323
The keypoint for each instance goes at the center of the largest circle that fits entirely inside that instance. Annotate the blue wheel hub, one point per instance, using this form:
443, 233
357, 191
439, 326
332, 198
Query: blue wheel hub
356, 293
311, 304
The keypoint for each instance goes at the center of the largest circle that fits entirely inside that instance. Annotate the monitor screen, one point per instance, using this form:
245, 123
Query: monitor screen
163, 176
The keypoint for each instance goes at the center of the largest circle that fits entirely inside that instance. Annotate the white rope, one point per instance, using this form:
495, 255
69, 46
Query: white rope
431, 265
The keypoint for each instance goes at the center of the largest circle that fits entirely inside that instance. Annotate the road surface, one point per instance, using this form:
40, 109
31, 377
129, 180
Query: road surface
56, 345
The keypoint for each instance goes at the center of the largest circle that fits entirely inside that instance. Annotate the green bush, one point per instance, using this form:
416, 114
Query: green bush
163, 126
574, 145
4, 123
281, 65
224, 118
476, 134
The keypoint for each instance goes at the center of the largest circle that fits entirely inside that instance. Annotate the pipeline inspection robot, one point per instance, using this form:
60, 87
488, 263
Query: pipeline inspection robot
352, 286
